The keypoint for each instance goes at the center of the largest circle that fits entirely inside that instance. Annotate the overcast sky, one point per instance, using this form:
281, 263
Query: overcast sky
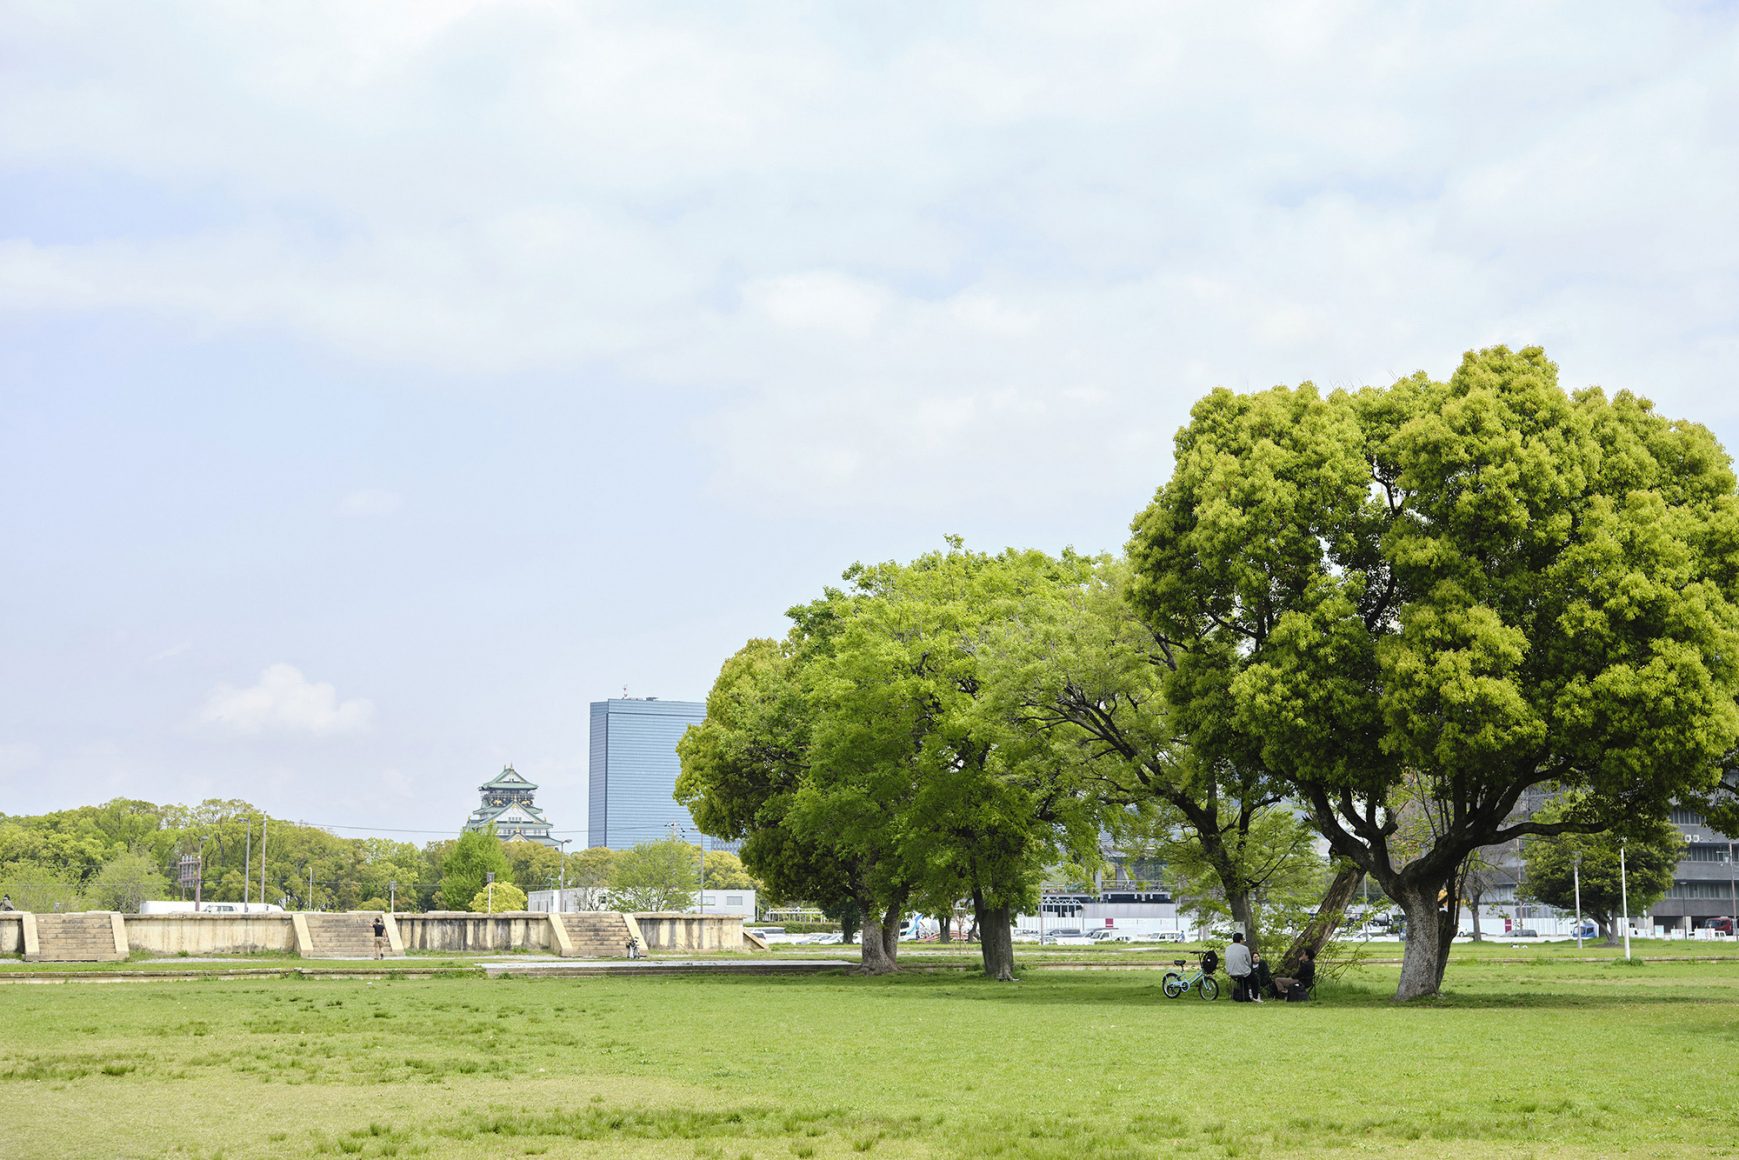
385, 382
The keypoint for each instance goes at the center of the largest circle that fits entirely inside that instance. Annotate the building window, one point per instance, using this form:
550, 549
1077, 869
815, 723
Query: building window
1686, 818
733, 900
1706, 853
1699, 890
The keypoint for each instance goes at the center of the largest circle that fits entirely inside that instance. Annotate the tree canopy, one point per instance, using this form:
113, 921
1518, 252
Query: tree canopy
1456, 589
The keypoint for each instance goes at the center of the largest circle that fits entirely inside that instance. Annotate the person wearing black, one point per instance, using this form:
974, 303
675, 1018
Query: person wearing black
1261, 978
379, 937
1302, 982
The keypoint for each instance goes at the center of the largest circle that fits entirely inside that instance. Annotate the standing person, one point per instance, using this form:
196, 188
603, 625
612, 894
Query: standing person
5, 902
1238, 966
379, 937
1303, 981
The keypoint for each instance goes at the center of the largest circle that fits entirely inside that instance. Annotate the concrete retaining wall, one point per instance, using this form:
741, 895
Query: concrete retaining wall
210, 934
11, 932
458, 931
449, 931
679, 931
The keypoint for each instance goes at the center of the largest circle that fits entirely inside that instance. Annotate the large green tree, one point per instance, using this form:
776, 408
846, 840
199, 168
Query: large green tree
1650, 850
661, 875
1456, 589
863, 751
467, 866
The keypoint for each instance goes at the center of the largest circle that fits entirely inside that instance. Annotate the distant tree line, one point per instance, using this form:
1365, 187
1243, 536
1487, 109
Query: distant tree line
116, 855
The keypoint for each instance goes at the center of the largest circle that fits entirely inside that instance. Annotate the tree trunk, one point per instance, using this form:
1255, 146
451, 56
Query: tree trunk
891, 923
875, 956
1608, 924
880, 943
1243, 915
944, 924
1320, 929
1427, 947
1476, 898
848, 924
995, 941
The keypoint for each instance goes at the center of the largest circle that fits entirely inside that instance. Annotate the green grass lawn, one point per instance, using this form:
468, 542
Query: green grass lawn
1538, 1057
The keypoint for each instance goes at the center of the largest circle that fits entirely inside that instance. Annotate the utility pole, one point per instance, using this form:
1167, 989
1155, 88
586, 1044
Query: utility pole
392, 897
262, 860
310, 886
247, 863
489, 877
701, 842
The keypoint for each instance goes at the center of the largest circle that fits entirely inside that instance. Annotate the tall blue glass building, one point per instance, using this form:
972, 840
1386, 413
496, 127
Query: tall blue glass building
633, 771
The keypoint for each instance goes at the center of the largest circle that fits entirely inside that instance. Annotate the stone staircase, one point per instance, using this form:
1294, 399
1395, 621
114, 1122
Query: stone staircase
78, 938
597, 934
340, 936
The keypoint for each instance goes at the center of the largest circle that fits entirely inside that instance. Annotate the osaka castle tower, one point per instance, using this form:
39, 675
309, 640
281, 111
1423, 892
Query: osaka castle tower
507, 806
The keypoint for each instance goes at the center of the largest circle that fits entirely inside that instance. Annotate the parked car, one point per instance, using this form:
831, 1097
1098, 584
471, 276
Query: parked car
1066, 938
1721, 925
1166, 936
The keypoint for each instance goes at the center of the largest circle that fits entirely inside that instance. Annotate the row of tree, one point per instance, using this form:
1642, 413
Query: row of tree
1379, 617
116, 855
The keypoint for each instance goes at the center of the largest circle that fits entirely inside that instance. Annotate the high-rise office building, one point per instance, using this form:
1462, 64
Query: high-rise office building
633, 771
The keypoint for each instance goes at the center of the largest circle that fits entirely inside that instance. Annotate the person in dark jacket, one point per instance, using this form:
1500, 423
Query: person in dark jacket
379, 937
1303, 981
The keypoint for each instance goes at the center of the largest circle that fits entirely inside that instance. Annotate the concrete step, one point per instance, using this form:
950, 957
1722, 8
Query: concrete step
341, 936
597, 934
77, 938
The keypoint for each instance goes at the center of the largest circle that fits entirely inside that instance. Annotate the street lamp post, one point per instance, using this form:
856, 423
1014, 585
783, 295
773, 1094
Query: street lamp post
489, 880
1576, 874
392, 896
1732, 894
1624, 899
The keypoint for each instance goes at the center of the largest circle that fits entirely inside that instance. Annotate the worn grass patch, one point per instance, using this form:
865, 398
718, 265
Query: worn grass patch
1544, 1058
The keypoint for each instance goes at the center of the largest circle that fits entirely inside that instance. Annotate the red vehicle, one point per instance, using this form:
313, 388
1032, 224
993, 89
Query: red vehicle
1723, 925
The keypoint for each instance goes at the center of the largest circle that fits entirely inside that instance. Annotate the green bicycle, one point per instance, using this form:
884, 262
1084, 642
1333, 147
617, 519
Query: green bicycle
1201, 980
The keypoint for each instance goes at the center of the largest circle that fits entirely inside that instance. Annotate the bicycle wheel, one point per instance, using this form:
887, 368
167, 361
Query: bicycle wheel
1210, 989
1171, 985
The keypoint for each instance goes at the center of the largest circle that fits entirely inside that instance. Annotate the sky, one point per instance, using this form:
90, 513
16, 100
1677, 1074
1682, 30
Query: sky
382, 383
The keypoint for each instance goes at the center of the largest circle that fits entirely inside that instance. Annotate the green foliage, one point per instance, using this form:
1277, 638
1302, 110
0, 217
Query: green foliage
124, 882
860, 760
661, 875
1275, 857
1445, 593
724, 871
533, 864
502, 897
464, 870
40, 887
1651, 849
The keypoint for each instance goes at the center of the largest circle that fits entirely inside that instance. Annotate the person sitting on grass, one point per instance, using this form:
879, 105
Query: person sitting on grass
1303, 981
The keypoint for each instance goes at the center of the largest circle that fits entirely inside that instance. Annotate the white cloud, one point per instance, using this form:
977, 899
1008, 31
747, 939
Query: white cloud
993, 256
370, 502
284, 701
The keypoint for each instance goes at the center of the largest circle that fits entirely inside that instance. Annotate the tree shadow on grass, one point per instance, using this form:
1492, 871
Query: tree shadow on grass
1627, 987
